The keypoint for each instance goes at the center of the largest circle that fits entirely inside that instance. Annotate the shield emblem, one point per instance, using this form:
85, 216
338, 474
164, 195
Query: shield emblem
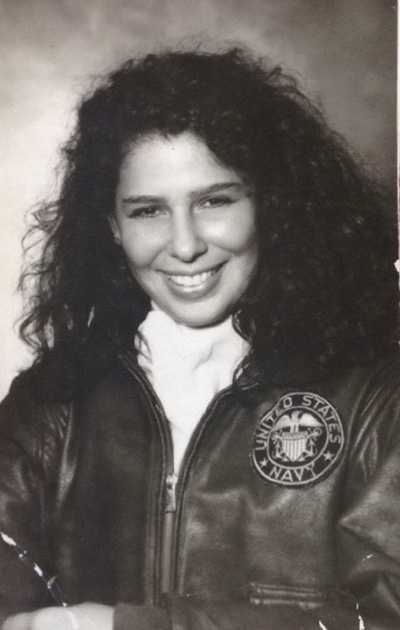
294, 444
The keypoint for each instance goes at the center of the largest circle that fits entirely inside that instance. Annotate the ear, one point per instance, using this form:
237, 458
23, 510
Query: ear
115, 229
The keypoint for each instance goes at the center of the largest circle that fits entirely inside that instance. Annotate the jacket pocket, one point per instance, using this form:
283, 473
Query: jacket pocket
303, 597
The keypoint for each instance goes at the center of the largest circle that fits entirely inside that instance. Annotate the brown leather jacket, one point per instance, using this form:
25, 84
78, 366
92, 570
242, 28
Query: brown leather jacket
285, 514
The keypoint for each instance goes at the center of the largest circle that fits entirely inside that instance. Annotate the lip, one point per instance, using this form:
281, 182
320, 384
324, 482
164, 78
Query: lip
193, 284
193, 273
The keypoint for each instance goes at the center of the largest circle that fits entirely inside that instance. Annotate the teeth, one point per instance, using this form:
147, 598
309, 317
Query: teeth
191, 281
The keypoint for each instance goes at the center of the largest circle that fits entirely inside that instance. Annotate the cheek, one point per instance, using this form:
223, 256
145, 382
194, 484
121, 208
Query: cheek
239, 236
141, 247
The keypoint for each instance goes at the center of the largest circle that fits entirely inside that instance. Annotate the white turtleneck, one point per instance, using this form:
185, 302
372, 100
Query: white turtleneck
187, 368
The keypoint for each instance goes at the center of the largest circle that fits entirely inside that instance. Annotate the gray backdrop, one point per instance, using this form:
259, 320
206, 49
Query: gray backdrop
343, 51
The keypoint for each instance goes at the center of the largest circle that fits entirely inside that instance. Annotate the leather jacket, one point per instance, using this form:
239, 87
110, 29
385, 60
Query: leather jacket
285, 513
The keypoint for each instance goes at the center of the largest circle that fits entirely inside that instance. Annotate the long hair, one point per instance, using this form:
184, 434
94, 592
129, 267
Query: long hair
324, 295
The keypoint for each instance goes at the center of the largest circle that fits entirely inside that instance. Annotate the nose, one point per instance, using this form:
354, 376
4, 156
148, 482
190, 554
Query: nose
186, 241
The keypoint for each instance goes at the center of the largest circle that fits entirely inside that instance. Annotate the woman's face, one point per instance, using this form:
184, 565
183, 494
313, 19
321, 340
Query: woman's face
187, 226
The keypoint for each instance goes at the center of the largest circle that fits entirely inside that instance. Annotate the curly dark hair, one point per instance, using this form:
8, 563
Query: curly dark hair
324, 295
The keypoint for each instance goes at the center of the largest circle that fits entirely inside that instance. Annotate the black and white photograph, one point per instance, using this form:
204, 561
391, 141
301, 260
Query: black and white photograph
200, 374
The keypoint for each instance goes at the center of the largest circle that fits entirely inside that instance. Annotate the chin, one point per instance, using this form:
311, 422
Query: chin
199, 320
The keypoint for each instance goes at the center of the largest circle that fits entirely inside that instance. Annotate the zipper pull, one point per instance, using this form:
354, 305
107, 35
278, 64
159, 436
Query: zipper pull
170, 492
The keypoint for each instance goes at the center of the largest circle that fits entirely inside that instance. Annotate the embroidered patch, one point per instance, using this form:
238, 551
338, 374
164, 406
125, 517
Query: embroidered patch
298, 441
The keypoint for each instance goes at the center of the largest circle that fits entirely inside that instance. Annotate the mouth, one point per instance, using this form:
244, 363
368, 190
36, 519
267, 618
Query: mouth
192, 281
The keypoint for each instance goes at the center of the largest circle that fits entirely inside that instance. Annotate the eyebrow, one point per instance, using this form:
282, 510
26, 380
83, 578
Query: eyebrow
198, 192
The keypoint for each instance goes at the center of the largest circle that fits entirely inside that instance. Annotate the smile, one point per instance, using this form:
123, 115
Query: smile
192, 282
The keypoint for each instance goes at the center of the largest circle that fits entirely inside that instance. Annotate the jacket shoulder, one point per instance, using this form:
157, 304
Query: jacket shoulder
27, 418
381, 385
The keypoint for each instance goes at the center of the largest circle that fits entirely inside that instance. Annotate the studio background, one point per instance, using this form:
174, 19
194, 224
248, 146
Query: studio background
343, 51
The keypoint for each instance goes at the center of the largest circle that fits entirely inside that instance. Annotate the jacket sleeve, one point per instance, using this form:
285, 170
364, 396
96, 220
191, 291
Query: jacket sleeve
369, 528
21, 503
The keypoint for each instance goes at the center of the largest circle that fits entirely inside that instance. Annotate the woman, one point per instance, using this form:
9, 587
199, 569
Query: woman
209, 435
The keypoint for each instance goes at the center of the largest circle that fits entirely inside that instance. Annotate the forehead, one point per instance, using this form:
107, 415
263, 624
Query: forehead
164, 161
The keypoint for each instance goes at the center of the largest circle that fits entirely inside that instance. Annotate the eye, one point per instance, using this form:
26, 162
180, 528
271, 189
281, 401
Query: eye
217, 201
147, 212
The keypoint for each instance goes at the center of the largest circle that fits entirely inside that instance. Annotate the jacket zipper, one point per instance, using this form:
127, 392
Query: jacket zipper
167, 510
173, 494
167, 546
177, 488
171, 489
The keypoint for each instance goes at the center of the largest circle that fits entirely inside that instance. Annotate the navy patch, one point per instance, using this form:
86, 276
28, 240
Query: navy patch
298, 441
